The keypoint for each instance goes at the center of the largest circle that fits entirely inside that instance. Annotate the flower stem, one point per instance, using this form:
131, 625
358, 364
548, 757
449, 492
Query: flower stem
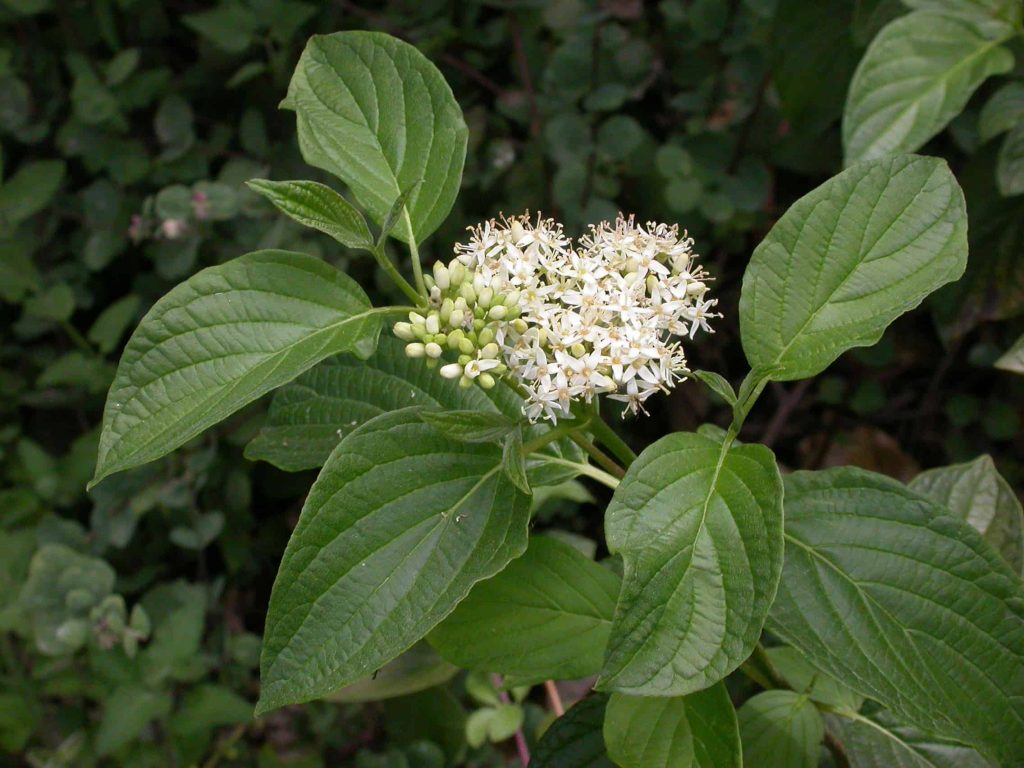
524, 751
610, 439
555, 433
417, 267
587, 470
554, 698
598, 455
396, 277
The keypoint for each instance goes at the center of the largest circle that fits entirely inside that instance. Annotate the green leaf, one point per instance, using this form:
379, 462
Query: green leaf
695, 731
546, 616
847, 259
126, 712
1003, 111
221, 339
916, 76
889, 593
993, 17
470, 426
717, 384
1013, 358
377, 114
699, 528
230, 26
977, 493
513, 461
782, 729
881, 741
28, 191
434, 715
1010, 166
575, 740
397, 528
415, 670
108, 329
317, 206
309, 416
61, 588
804, 678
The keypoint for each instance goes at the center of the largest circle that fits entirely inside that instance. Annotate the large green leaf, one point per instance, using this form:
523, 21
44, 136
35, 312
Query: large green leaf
847, 259
1010, 168
309, 416
575, 740
376, 113
28, 191
881, 741
916, 76
699, 528
397, 528
782, 729
317, 206
546, 616
1003, 111
993, 17
695, 731
976, 492
415, 670
906, 604
221, 339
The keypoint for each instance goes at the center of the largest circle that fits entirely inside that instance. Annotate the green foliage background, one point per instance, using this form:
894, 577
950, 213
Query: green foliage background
127, 130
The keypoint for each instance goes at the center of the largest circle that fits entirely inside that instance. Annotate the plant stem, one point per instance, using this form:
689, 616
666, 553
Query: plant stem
396, 277
554, 698
524, 751
551, 435
610, 439
588, 470
598, 455
417, 267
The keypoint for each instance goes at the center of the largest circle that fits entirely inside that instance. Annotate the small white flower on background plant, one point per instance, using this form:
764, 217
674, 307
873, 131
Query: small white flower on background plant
606, 316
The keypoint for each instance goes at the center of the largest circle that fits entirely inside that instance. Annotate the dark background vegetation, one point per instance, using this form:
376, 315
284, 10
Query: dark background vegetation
127, 128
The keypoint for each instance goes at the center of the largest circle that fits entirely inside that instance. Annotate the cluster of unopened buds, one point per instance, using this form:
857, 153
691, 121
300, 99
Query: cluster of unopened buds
564, 323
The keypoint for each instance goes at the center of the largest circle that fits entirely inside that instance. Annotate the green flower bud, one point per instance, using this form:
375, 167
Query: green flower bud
497, 312
486, 381
478, 324
465, 382
419, 330
490, 351
460, 303
440, 338
519, 325
465, 359
429, 282
467, 347
468, 293
485, 336
578, 350
416, 317
455, 338
416, 349
445, 312
404, 331
432, 362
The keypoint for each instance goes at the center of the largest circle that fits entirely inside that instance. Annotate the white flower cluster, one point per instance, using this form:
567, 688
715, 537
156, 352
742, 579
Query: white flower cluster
602, 317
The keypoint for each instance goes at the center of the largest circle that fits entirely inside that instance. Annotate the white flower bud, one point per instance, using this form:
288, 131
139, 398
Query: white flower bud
404, 331
478, 283
497, 312
457, 318
456, 272
441, 276
433, 324
416, 317
433, 350
485, 297
517, 231
451, 371
490, 351
414, 350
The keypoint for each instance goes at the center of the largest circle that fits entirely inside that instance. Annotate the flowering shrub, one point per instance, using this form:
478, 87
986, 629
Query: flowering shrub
881, 606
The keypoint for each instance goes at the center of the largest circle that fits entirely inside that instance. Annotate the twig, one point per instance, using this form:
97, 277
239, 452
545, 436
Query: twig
835, 746
598, 455
554, 698
521, 748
